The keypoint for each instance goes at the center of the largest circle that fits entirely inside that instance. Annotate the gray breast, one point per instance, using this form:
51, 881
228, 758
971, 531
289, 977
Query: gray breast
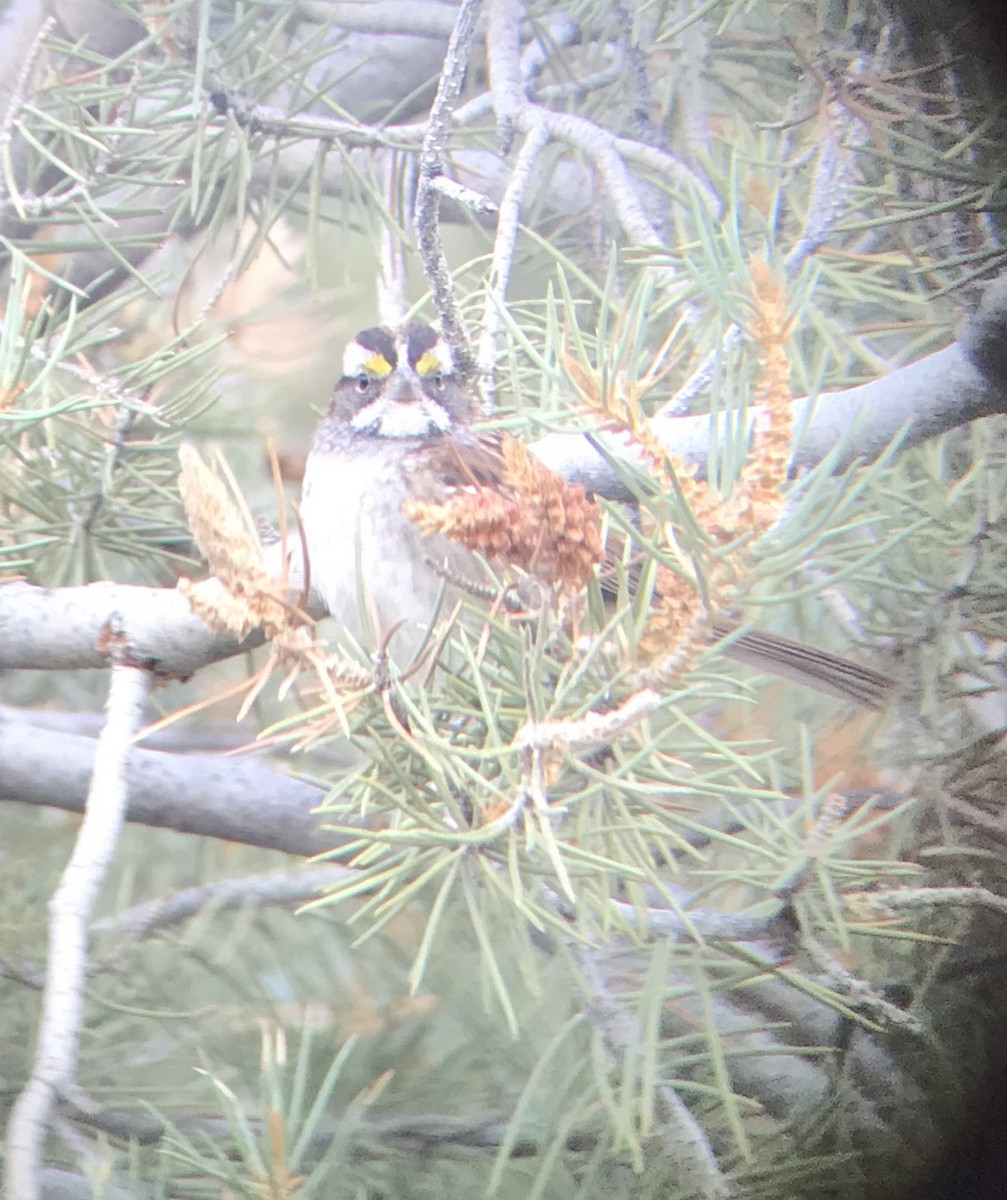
367, 559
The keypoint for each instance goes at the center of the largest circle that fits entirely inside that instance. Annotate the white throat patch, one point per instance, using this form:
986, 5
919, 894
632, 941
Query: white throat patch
393, 419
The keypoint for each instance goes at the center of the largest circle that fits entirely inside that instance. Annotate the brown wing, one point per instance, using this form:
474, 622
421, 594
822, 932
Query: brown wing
468, 460
443, 466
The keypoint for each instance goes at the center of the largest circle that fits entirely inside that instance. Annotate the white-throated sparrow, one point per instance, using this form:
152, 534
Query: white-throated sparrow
398, 430
397, 421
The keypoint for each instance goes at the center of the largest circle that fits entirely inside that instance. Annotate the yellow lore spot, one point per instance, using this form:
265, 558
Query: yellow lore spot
378, 365
429, 363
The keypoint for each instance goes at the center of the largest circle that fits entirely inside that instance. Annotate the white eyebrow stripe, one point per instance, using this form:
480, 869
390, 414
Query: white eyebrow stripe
356, 358
442, 352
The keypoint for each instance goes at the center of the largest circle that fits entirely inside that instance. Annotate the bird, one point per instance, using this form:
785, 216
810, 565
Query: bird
397, 417
399, 428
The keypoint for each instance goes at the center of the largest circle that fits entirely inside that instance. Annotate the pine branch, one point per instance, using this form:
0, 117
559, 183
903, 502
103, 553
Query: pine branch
55, 629
288, 890
204, 794
683, 1139
962, 383
527, 771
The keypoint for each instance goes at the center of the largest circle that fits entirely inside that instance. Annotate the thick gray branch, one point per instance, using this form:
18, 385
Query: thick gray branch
61, 628
434, 20
227, 798
218, 736
961, 383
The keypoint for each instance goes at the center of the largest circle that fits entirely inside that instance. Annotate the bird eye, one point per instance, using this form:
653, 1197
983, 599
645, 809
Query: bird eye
363, 383
439, 382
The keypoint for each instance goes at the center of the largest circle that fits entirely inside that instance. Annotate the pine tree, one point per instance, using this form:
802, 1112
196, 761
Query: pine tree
591, 909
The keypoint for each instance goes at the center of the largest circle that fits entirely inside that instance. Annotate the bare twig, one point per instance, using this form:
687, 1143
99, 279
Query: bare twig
275, 122
925, 898
516, 113
464, 196
24, 25
56, 1052
555, 31
593, 729
832, 185
669, 923
103, 386
677, 173
504, 246
435, 265
295, 887
860, 994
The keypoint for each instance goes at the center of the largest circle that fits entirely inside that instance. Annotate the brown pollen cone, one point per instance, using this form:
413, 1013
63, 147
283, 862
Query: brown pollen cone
534, 520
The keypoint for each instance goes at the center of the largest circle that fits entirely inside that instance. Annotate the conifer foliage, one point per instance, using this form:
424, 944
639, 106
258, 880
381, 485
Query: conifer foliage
594, 896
